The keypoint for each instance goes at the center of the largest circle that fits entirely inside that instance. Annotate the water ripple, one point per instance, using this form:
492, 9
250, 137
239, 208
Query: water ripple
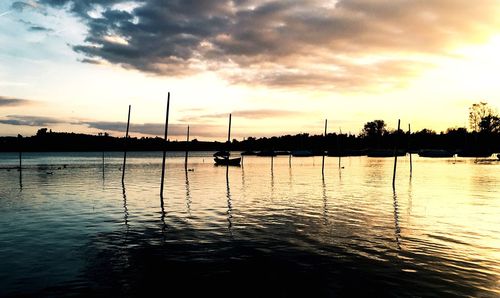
69, 225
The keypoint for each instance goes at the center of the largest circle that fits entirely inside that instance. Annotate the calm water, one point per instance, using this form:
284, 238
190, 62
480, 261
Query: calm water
68, 226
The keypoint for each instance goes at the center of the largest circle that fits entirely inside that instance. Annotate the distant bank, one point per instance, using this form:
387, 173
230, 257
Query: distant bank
457, 141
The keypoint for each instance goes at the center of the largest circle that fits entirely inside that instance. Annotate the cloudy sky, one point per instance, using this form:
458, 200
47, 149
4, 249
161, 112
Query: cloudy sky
279, 66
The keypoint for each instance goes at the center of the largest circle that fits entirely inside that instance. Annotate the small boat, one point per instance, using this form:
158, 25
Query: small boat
248, 153
222, 157
226, 161
302, 153
266, 153
435, 153
474, 153
282, 152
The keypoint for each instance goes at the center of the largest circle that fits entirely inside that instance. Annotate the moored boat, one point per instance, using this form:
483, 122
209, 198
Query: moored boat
282, 152
248, 152
266, 153
302, 153
226, 161
222, 157
474, 153
435, 153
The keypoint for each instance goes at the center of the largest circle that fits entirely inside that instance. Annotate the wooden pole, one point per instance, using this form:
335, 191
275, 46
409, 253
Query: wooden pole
20, 160
395, 157
229, 146
229, 131
323, 160
187, 149
339, 142
164, 149
290, 160
125, 145
411, 165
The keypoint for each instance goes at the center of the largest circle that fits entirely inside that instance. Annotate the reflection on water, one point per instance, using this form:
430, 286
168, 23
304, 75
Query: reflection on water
188, 194
229, 205
325, 201
397, 230
73, 227
125, 209
20, 179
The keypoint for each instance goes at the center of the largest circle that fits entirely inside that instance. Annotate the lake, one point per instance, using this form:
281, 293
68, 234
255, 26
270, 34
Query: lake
68, 226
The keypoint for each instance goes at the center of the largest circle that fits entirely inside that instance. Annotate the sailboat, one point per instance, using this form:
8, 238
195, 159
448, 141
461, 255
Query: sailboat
222, 157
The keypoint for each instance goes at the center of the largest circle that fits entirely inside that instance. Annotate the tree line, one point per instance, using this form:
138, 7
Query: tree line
483, 136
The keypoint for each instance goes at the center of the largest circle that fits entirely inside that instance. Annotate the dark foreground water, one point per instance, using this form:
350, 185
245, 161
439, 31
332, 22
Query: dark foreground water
68, 226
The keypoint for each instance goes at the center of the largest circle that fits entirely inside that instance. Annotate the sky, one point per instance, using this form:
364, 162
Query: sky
280, 67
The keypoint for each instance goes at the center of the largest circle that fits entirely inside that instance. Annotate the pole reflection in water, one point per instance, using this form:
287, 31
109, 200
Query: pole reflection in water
103, 169
125, 209
229, 205
410, 200
325, 202
397, 230
243, 183
272, 184
188, 194
163, 213
20, 179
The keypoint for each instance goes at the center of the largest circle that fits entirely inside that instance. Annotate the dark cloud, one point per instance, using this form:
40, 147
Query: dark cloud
30, 120
90, 61
40, 29
10, 102
35, 27
282, 43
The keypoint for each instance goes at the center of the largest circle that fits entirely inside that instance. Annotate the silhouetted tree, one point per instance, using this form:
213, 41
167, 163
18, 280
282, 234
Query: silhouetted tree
375, 128
489, 124
41, 132
477, 112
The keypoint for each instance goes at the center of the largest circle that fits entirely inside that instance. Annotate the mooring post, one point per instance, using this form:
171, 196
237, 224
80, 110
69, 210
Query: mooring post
339, 142
187, 149
164, 149
125, 145
229, 131
323, 160
409, 151
20, 160
395, 156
